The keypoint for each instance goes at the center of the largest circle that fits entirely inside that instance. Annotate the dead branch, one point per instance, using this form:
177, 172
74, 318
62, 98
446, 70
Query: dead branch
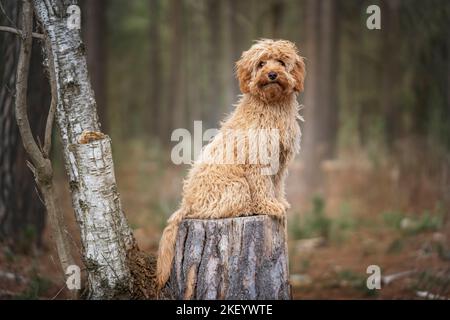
20, 33
22, 88
53, 103
5, 14
40, 165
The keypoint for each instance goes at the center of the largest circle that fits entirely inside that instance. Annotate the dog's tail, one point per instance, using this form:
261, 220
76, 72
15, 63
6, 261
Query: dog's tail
167, 248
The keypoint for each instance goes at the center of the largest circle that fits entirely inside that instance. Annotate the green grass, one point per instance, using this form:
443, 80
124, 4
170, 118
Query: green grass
344, 224
432, 281
161, 211
411, 225
349, 278
36, 288
393, 219
316, 223
304, 265
396, 246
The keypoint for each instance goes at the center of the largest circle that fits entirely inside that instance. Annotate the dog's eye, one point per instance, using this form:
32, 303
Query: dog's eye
282, 63
261, 64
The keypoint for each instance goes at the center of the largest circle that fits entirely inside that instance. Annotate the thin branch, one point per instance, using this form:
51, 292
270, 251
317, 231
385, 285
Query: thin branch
20, 33
40, 165
6, 15
49, 128
23, 67
74, 243
39, 143
59, 292
50, 8
31, 167
53, 103
10, 91
39, 195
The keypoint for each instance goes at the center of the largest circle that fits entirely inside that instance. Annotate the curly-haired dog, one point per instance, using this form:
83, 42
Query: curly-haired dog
270, 74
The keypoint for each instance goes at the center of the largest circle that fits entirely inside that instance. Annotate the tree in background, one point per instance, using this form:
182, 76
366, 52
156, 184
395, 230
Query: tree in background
215, 52
390, 68
94, 34
357, 89
175, 104
154, 109
425, 59
114, 264
277, 8
321, 101
22, 214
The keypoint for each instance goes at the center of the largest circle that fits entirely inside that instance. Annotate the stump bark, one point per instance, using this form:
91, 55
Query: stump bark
235, 258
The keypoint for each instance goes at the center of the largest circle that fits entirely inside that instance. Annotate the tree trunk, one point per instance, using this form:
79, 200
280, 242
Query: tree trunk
236, 258
105, 233
108, 242
95, 35
328, 75
153, 112
215, 61
277, 9
390, 69
22, 214
240, 18
175, 108
310, 148
322, 56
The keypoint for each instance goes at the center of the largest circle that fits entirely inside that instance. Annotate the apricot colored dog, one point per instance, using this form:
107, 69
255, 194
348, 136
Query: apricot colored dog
271, 74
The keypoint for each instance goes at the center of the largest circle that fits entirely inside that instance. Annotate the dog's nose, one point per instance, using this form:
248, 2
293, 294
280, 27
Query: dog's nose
272, 75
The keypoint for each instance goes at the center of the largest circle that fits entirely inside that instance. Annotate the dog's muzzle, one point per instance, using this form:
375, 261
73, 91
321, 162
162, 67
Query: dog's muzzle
270, 83
272, 75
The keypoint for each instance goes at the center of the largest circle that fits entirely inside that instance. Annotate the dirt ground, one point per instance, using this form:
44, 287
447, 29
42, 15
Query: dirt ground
384, 215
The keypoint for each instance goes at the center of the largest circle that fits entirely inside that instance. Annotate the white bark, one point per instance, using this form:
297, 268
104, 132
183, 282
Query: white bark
105, 234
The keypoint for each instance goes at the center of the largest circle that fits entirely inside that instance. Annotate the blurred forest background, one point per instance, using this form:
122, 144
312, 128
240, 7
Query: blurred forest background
372, 182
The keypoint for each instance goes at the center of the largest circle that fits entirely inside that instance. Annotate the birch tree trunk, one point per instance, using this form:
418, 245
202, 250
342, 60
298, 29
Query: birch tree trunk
115, 267
236, 258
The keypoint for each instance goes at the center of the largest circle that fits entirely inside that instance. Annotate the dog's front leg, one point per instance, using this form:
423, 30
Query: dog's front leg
279, 185
263, 198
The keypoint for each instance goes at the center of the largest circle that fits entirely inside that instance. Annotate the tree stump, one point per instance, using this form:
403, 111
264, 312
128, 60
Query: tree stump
235, 258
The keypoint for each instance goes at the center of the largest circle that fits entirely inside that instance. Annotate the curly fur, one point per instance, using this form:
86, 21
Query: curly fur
213, 190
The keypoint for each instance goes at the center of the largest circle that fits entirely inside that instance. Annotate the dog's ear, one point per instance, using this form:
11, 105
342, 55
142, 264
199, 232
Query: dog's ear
299, 73
243, 73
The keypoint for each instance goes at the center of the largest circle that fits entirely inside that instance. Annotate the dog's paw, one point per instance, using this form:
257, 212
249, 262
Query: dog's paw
272, 208
285, 204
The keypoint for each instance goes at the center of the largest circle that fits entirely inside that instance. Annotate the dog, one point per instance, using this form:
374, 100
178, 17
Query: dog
271, 74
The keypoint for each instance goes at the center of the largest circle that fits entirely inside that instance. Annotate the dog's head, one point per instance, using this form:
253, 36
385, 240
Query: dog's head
271, 70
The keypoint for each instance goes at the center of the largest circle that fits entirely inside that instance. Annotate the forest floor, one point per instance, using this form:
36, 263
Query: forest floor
366, 213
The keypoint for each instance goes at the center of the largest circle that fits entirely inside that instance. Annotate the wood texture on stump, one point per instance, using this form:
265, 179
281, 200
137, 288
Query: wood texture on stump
235, 258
